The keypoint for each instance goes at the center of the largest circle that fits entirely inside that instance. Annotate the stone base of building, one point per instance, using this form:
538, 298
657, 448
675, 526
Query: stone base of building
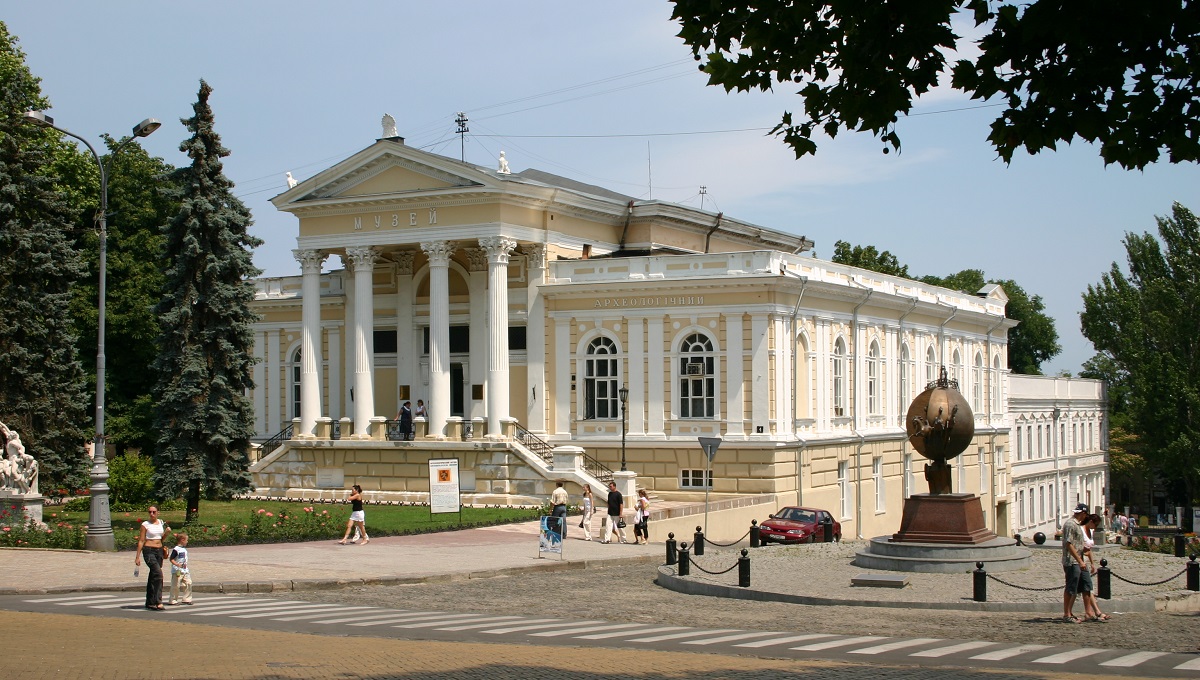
997, 555
21, 505
945, 518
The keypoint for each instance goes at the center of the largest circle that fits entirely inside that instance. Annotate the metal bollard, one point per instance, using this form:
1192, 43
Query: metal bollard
698, 542
754, 543
979, 577
1180, 543
744, 569
672, 555
1193, 574
1104, 581
685, 565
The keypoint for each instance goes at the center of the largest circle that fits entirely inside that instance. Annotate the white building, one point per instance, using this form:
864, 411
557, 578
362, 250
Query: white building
1060, 449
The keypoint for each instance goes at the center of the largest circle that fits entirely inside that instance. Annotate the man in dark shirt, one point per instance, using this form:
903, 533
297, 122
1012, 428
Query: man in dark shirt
616, 505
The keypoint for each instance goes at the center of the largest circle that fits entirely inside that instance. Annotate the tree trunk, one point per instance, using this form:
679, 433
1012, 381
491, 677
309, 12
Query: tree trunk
193, 502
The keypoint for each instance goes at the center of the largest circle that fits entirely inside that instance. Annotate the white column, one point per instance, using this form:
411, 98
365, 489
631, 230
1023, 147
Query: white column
535, 337
362, 260
273, 395
636, 360
439, 335
408, 347
498, 249
310, 340
260, 387
784, 348
655, 377
760, 364
821, 346
735, 379
348, 362
477, 281
333, 335
563, 368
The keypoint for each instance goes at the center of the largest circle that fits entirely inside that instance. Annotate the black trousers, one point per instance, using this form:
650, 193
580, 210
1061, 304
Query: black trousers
153, 557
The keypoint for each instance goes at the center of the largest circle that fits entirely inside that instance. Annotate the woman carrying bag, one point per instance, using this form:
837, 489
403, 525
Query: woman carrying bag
641, 518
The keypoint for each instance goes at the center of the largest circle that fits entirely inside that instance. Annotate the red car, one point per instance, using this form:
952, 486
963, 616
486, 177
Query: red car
798, 525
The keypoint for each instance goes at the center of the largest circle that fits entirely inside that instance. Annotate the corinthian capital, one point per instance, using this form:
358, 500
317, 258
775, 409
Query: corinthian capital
535, 254
497, 248
310, 260
362, 257
439, 252
404, 262
476, 259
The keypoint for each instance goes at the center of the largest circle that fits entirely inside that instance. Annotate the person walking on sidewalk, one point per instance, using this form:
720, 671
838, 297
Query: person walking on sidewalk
1091, 608
558, 501
150, 548
1072, 560
358, 518
181, 576
641, 518
589, 507
616, 506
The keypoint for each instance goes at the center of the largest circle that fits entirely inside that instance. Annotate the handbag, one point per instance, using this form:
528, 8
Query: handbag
580, 524
621, 523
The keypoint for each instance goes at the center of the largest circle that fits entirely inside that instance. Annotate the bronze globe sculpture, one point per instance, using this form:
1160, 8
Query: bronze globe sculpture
940, 426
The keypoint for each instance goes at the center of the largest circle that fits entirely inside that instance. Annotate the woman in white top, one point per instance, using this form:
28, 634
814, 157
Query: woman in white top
589, 507
641, 518
150, 547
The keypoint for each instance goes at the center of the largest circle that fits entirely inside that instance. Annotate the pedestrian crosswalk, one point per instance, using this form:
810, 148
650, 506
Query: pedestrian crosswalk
281, 614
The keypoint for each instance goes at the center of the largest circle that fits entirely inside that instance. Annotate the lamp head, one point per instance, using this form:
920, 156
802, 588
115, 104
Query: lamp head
623, 393
38, 118
144, 128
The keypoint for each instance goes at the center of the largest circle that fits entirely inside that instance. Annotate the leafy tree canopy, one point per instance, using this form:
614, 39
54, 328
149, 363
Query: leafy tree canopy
1146, 322
869, 257
1120, 74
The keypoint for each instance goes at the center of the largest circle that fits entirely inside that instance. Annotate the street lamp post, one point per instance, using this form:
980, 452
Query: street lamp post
623, 393
99, 533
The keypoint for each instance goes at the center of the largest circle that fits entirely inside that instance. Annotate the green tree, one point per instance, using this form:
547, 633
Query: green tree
1147, 323
202, 411
141, 201
42, 385
868, 257
1120, 74
1127, 465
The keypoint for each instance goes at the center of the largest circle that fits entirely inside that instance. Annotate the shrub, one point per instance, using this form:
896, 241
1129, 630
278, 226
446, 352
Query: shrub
25, 533
131, 478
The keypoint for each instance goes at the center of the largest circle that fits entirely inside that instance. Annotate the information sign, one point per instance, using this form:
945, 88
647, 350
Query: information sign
443, 485
551, 534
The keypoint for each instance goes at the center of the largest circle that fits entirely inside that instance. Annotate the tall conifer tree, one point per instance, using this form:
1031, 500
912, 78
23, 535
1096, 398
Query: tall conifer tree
42, 385
203, 414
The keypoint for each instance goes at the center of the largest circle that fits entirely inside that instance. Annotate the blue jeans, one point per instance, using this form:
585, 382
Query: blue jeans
153, 557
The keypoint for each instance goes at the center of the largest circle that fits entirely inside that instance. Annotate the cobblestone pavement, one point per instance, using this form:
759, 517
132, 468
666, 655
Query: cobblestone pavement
71, 646
628, 593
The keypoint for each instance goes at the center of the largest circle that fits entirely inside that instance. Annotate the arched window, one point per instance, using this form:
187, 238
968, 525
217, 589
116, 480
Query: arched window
294, 386
839, 377
873, 395
930, 365
956, 368
905, 379
977, 384
995, 384
697, 377
601, 373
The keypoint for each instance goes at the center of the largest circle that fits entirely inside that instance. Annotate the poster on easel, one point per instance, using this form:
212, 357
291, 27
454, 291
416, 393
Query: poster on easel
444, 486
551, 534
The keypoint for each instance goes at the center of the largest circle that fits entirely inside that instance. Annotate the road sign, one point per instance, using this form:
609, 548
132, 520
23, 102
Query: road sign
710, 445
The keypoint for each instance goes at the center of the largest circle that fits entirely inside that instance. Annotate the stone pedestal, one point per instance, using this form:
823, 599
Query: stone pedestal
945, 518
18, 506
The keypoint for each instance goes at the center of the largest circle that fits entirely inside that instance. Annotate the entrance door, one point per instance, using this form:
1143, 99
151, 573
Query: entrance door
457, 386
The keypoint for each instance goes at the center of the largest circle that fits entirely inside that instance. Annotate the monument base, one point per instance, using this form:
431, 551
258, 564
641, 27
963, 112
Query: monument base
18, 506
955, 518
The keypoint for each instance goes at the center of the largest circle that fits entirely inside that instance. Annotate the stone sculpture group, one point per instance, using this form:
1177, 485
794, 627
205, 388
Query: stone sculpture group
18, 469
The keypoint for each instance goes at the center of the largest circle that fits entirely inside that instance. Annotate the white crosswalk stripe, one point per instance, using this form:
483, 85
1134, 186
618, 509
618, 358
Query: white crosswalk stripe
1193, 665
952, 649
623, 633
276, 607
784, 640
75, 599
893, 646
1070, 655
437, 621
1130, 660
845, 642
312, 608
586, 629
322, 614
407, 618
359, 619
1009, 652
488, 621
547, 624
691, 633
726, 638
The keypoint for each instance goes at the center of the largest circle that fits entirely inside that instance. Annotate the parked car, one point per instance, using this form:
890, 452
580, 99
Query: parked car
798, 525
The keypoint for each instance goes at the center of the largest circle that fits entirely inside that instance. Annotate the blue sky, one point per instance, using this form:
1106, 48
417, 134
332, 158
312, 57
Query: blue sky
300, 85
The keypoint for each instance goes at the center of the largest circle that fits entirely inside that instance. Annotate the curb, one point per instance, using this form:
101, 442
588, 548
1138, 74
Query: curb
671, 581
286, 585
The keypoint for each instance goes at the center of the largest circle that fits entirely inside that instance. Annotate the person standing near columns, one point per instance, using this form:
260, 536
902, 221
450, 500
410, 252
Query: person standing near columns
498, 249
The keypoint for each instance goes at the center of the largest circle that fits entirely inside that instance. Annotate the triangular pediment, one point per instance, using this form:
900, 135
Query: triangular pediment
385, 169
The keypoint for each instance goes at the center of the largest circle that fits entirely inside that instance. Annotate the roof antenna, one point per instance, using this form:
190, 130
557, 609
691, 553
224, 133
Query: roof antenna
649, 171
703, 193
462, 131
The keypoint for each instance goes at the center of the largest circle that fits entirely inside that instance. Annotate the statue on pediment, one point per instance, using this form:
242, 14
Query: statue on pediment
291, 181
503, 170
389, 126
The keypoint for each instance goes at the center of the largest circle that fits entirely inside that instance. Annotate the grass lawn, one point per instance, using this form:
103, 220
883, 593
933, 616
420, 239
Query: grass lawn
241, 521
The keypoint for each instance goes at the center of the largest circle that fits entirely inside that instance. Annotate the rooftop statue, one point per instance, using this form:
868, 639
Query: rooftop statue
389, 126
503, 170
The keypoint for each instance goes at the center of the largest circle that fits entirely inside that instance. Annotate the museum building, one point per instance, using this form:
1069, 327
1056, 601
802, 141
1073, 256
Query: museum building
558, 330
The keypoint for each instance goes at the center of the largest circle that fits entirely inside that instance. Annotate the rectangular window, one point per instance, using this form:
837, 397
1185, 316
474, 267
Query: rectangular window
982, 472
694, 479
1021, 508
880, 492
516, 338
385, 341
460, 339
697, 388
873, 386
